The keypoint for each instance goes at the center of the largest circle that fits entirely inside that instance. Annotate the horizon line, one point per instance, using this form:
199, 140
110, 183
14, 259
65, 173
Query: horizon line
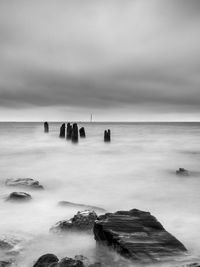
61, 121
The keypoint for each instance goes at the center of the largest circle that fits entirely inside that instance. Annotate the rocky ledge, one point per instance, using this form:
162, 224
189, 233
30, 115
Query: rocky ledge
24, 182
136, 235
51, 260
82, 221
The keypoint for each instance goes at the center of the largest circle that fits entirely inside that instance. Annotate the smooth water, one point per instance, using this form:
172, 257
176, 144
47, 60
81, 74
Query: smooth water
135, 170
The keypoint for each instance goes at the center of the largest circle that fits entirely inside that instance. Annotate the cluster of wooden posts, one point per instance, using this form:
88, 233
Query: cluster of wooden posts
71, 132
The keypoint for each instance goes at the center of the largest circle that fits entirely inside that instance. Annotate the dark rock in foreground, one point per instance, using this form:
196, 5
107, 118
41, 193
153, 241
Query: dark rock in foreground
136, 235
182, 172
82, 221
19, 196
50, 260
46, 260
79, 206
24, 182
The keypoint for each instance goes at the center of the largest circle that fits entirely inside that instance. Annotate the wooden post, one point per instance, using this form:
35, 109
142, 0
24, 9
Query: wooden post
69, 131
46, 127
107, 135
75, 133
82, 132
62, 131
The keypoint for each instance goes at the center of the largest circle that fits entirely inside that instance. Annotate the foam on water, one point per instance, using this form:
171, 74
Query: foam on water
136, 170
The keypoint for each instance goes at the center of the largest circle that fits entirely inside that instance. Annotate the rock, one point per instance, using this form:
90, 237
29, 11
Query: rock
191, 265
86, 261
107, 135
46, 260
79, 206
96, 264
82, 221
10, 247
50, 260
75, 133
62, 131
19, 196
24, 182
69, 262
136, 235
83, 259
182, 172
69, 131
46, 127
5, 263
82, 132
5, 245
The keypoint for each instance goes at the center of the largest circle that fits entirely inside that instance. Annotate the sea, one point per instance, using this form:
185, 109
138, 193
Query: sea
137, 169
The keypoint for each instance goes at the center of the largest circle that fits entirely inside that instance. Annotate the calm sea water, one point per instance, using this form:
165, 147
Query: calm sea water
136, 170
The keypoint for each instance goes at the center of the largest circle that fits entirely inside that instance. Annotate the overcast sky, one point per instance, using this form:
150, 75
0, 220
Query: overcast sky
118, 59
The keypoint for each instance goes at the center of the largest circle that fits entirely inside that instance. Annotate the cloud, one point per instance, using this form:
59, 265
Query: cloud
100, 55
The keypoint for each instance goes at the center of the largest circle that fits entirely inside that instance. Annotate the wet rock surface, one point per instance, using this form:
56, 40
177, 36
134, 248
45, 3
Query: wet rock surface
19, 197
82, 221
80, 206
24, 182
136, 235
51, 260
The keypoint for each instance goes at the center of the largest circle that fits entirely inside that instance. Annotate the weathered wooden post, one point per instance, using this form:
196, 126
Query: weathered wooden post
75, 133
82, 132
69, 131
46, 127
107, 135
62, 131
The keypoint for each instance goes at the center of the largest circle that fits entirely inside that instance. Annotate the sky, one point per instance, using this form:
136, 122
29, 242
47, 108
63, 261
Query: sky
121, 60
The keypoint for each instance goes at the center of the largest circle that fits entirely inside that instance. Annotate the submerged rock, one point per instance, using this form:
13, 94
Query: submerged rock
19, 196
82, 221
46, 260
24, 182
136, 235
79, 206
182, 171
